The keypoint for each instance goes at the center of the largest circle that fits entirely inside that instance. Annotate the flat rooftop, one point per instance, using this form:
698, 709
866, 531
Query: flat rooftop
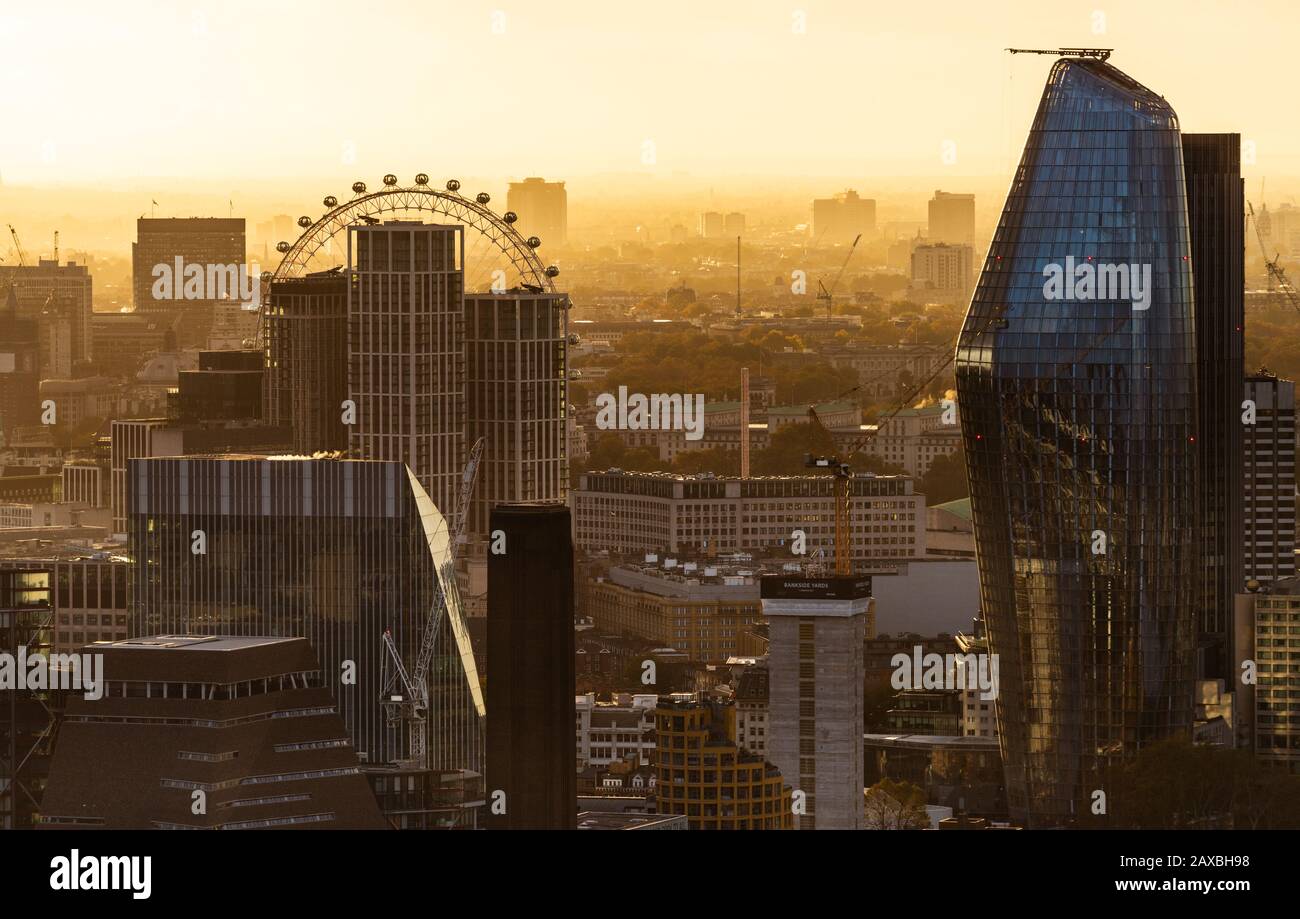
589, 820
932, 741
191, 642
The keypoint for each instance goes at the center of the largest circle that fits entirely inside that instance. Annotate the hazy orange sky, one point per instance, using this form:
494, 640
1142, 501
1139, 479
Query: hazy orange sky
117, 93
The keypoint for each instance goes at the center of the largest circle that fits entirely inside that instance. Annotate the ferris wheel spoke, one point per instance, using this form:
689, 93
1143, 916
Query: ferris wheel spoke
498, 245
479, 264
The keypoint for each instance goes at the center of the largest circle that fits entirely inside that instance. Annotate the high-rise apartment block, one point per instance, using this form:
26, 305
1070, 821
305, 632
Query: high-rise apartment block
840, 218
817, 629
1267, 711
951, 219
543, 209
306, 329
516, 395
60, 297
942, 271
1269, 453
20, 368
713, 225
406, 355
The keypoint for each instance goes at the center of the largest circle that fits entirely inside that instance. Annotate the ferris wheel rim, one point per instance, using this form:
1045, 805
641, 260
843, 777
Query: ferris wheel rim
489, 224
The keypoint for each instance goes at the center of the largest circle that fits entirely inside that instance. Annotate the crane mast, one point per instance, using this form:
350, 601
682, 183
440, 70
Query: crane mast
18, 246
405, 693
827, 295
1276, 273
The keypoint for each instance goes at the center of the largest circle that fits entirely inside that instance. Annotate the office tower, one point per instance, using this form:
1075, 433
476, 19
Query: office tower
752, 716
701, 611
227, 386
704, 774
306, 329
951, 219
278, 228
121, 338
131, 438
1215, 204
217, 408
543, 209
63, 290
406, 353
1079, 421
942, 271
54, 331
677, 513
840, 218
336, 551
516, 398
712, 225
196, 241
85, 481
20, 369
612, 732
816, 628
1269, 461
1281, 227
530, 648
733, 224
87, 597
246, 720
90, 600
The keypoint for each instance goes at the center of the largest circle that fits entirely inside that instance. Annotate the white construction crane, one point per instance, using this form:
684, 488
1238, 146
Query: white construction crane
1276, 273
405, 694
18, 246
827, 295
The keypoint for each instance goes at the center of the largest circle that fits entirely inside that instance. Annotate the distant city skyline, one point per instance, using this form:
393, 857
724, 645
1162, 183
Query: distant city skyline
731, 88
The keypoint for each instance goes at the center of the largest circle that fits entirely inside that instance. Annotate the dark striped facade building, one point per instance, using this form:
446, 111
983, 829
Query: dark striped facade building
1216, 200
336, 551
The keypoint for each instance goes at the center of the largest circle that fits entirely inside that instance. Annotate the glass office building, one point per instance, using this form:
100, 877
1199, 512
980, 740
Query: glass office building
1077, 383
332, 550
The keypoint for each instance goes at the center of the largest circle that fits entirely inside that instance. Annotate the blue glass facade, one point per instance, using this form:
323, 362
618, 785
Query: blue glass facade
1079, 422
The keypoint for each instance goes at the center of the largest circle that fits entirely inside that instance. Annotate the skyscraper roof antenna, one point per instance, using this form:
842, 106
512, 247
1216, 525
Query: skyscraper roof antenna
1099, 54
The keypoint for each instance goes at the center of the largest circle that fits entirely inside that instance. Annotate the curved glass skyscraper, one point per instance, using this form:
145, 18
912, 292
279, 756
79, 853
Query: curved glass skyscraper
1076, 375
